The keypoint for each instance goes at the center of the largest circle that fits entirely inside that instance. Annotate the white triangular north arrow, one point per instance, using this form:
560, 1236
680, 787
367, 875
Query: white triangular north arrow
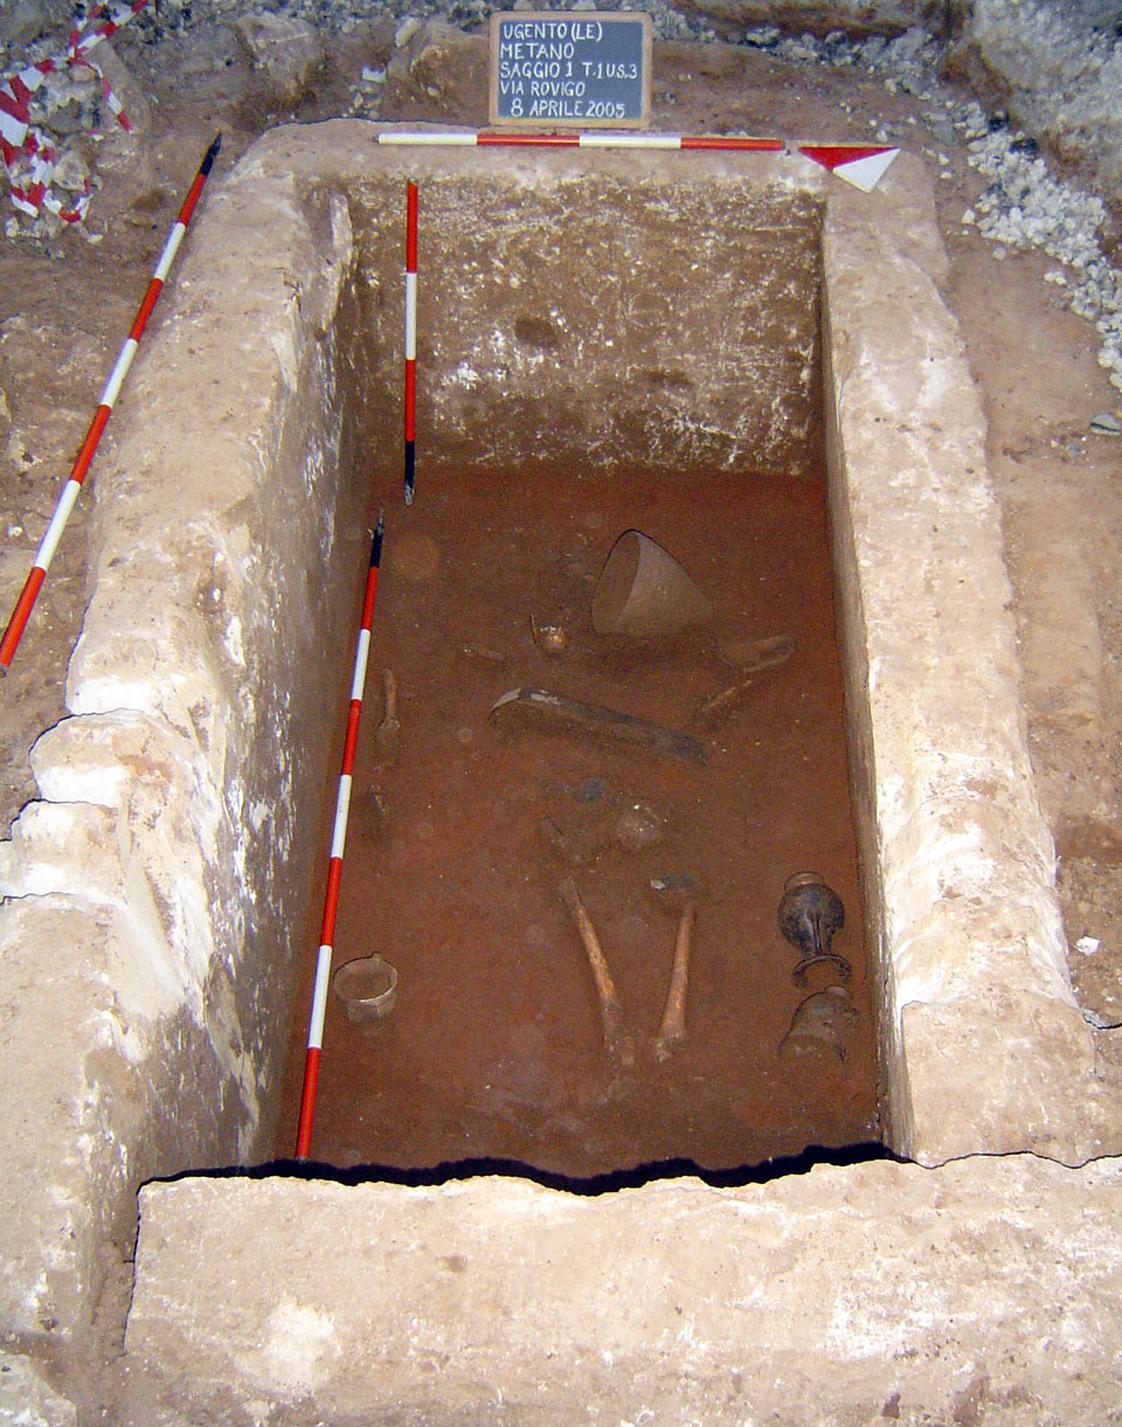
862, 165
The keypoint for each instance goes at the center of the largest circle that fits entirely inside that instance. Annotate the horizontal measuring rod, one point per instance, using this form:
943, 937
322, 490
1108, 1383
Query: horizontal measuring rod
861, 165
486, 139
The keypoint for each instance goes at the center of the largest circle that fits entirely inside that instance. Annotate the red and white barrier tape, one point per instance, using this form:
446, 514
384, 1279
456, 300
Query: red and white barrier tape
861, 165
335, 864
29, 156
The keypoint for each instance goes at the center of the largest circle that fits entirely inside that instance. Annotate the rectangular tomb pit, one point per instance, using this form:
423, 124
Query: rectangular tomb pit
736, 354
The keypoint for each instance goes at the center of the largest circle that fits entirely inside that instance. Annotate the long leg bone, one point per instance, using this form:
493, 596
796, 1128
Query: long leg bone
673, 1028
616, 1041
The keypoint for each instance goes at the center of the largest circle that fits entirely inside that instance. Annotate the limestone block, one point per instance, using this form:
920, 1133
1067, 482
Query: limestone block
967, 901
130, 822
287, 53
27, 1399
91, 1059
132, 95
27, 20
438, 73
578, 290
126, 158
53, 1000
151, 891
984, 1291
1057, 68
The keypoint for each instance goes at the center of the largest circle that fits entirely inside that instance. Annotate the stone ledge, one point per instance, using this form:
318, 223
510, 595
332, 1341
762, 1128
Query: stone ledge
144, 908
987, 1049
839, 1296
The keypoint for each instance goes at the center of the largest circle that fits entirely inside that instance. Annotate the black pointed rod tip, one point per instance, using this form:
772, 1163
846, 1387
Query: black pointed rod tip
211, 153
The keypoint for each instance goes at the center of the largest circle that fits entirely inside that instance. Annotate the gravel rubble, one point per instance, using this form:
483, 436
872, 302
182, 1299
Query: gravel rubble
1024, 206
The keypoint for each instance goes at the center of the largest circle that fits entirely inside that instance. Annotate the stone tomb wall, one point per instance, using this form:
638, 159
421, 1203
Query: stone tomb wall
159, 889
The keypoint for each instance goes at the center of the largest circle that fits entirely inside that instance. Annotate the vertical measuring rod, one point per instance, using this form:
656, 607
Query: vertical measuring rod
335, 865
70, 491
410, 339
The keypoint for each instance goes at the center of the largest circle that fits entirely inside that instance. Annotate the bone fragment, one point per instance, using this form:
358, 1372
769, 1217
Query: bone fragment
616, 1042
538, 708
672, 1031
771, 654
387, 736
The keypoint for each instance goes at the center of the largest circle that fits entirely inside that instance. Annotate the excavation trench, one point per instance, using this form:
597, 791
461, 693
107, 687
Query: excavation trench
737, 355
567, 393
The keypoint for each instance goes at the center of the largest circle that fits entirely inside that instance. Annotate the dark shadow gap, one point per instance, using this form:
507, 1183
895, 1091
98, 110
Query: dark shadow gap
612, 1182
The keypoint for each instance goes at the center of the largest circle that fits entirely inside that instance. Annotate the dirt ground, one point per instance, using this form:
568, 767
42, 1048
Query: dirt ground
66, 305
494, 1050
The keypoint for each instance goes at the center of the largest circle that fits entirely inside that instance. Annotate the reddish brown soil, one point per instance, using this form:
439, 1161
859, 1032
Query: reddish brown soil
495, 1048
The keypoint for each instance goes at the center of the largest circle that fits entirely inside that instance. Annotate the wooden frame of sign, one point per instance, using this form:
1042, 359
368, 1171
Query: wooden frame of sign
570, 69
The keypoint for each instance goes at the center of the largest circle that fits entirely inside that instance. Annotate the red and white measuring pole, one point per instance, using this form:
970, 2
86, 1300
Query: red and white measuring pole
335, 865
410, 340
70, 491
861, 165
472, 138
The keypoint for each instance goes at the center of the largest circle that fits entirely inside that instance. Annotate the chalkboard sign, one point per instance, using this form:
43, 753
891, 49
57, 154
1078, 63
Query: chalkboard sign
570, 68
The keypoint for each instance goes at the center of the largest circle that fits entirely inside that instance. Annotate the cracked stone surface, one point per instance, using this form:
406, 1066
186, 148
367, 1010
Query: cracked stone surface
985, 1291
